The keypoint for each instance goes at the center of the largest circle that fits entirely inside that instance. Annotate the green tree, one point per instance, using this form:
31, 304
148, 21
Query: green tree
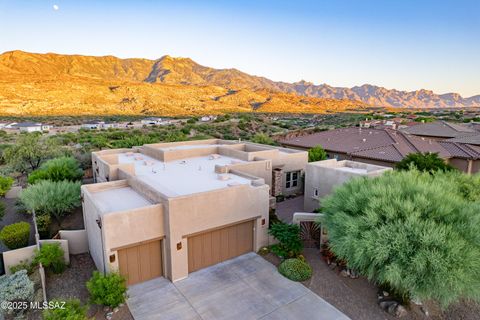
316, 153
30, 150
58, 169
424, 162
54, 198
417, 233
263, 139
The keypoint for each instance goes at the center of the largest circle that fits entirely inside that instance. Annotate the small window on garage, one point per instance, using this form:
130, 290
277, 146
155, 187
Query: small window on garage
315, 192
291, 180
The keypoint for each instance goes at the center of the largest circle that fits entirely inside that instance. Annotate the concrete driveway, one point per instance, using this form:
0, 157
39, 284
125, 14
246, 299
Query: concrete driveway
247, 287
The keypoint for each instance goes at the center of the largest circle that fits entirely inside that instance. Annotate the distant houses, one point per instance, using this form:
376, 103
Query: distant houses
96, 125
27, 126
152, 121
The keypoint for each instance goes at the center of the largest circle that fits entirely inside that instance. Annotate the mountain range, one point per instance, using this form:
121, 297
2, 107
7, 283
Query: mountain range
51, 84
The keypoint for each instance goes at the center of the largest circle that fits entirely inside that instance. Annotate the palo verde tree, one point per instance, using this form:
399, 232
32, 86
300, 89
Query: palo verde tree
316, 153
428, 161
29, 151
414, 232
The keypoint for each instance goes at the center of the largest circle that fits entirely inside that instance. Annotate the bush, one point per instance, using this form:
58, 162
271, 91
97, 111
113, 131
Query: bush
16, 287
5, 185
23, 265
59, 169
43, 225
317, 153
72, 310
49, 197
263, 139
16, 235
295, 269
414, 232
429, 162
108, 290
290, 244
51, 256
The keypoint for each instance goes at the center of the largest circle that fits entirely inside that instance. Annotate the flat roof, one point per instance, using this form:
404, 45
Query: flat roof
183, 176
119, 199
352, 170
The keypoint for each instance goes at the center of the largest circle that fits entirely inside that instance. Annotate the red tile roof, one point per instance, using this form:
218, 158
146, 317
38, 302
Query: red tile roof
379, 144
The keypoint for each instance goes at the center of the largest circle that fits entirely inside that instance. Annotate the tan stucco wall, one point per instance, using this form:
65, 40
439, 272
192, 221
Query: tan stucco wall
204, 211
323, 176
77, 240
125, 228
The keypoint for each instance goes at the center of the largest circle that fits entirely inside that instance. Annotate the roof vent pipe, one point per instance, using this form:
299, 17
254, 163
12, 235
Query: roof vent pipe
364, 140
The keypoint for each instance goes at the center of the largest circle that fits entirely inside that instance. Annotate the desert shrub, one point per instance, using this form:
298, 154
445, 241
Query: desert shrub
43, 225
108, 290
16, 235
72, 310
49, 197
412, 231
317, 153
58, 169
295, 269
16, 287
262, 138
288, 235
23, 265
51, 256
5, 185
428, 161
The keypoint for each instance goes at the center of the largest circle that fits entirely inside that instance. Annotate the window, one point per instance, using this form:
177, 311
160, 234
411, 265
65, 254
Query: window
315, 192
291, 180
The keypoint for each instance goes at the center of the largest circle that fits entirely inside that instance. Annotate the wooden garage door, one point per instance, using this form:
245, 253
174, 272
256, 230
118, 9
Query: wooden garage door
142, 262
212, 247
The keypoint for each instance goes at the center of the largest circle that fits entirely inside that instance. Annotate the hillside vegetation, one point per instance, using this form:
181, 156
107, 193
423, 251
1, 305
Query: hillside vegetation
52, 84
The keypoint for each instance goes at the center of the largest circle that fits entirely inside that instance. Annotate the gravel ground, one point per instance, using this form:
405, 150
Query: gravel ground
71, 284
357, 298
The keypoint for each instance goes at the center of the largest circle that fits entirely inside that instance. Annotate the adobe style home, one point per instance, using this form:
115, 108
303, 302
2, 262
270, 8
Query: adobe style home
169, 209
321, 177
457, 144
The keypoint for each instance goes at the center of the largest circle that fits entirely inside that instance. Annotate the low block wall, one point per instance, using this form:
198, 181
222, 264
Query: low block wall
14, 257
77, 240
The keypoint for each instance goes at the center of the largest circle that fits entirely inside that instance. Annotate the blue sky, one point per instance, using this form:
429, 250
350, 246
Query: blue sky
402, 44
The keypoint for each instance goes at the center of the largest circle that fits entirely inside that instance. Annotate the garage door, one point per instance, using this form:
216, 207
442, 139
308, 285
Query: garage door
212, 247
141, 262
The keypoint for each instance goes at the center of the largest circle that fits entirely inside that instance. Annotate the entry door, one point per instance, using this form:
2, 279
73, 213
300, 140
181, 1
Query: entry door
215, 246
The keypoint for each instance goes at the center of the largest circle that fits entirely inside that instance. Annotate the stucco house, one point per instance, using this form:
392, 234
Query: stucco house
169, 209
322, 177
31, 127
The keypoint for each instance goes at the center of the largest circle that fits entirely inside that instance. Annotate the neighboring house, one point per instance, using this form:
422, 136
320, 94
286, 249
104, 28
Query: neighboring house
172, 208
440, 130
207, 118
96, 124
92, 125
151, 121
384, 147
31, 127
322, 176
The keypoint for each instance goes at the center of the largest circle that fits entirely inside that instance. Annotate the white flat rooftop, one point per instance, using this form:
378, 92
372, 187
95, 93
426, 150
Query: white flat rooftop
352, 170
184, 176
119, 199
